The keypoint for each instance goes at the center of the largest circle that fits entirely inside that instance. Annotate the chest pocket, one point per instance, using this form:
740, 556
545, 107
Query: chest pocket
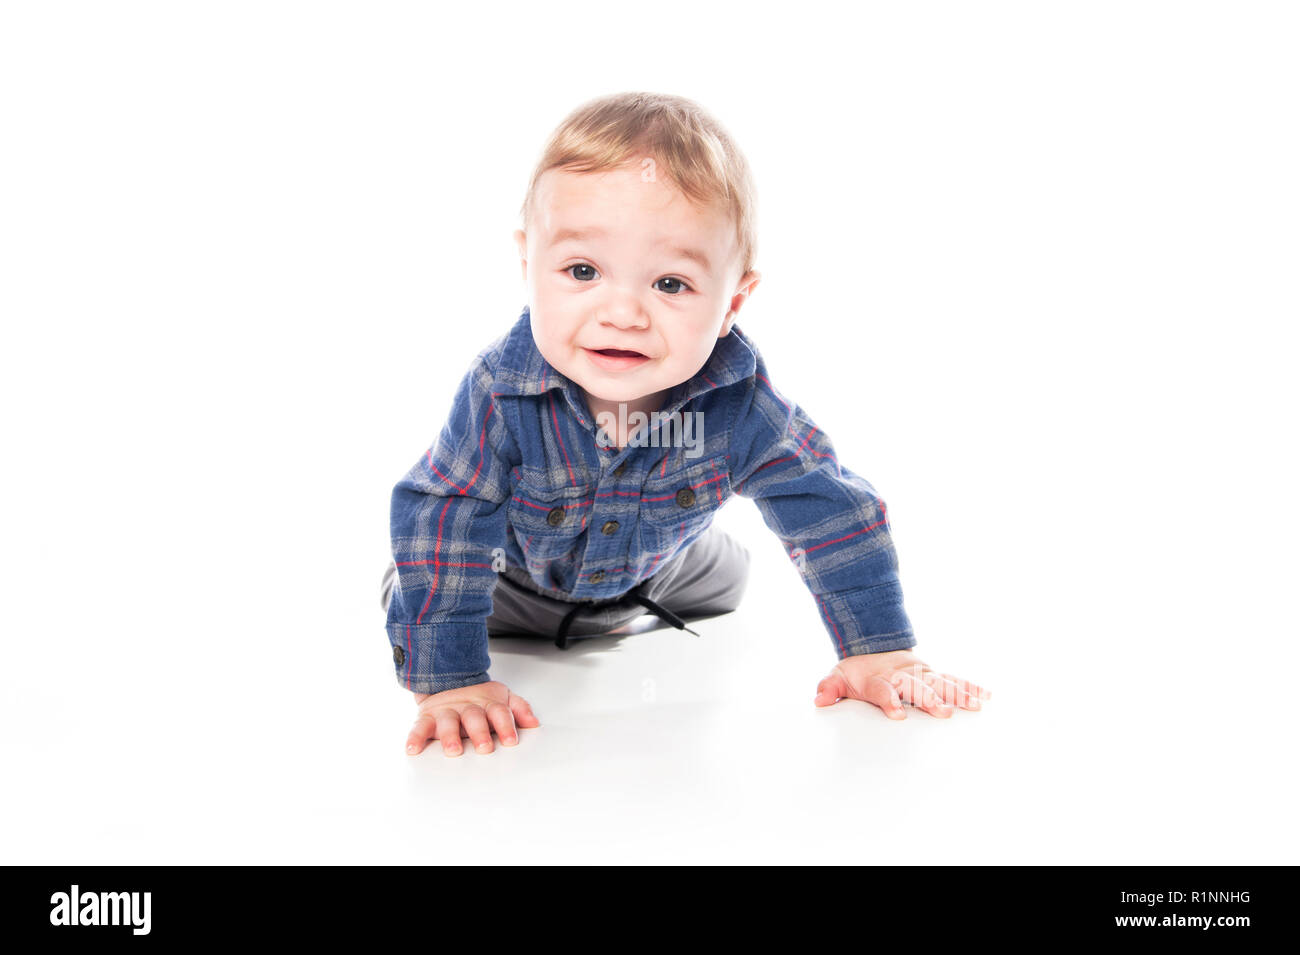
681, 506
547, 522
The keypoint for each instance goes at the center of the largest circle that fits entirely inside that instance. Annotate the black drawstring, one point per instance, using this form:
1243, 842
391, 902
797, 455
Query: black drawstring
663, 613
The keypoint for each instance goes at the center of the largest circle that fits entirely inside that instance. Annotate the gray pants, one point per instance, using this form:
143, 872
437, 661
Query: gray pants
706, 579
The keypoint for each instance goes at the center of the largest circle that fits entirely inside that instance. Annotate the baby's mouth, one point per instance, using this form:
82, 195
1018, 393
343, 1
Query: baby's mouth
616, 359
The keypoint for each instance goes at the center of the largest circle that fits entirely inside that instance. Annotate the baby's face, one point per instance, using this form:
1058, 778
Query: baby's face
616, 262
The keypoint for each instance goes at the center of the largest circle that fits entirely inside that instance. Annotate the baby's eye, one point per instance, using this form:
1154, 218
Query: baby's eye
586, 276
681, 286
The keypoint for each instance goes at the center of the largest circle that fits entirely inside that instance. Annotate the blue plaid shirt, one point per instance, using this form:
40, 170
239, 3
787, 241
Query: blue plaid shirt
521, 474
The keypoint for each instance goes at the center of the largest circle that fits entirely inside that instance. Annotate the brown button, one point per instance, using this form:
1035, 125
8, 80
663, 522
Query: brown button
685, 497
618, 471
598, 576
609, 527
556, 516
398, 656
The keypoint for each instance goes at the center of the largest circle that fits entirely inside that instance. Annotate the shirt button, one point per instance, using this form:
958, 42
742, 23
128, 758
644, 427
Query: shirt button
618, 471
609, 527
685, 497
398, 656
598, 576
556, 516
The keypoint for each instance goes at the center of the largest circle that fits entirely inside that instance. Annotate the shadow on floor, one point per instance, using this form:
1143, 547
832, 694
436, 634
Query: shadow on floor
532, 644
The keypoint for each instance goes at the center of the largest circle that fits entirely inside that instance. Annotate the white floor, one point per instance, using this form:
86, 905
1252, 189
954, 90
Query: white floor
657, 747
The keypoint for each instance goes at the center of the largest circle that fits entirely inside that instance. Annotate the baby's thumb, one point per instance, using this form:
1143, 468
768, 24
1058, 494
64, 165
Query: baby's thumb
523, 713
830, 690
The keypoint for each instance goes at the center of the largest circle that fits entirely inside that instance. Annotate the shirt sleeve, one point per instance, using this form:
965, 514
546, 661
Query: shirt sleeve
448, 520
832, 522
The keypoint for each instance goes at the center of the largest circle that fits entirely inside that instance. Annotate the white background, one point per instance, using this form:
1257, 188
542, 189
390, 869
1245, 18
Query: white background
1031, 265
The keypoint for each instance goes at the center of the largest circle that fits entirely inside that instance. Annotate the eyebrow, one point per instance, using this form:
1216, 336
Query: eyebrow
578, 235
565, 235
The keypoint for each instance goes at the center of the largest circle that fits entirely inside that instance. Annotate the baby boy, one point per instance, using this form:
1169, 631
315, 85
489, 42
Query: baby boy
588, 449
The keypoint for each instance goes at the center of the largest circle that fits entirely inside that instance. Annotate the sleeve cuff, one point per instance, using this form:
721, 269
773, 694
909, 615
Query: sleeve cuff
438, 684
430, 658
867, 620
878, 644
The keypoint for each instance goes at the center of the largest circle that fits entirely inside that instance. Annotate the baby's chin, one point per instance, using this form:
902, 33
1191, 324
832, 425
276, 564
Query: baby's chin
617, 390
616, 385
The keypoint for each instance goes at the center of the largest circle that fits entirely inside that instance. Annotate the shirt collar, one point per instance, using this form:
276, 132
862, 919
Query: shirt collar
522, 370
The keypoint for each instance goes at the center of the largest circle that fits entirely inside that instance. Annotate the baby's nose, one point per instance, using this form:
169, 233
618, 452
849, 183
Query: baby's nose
625, 312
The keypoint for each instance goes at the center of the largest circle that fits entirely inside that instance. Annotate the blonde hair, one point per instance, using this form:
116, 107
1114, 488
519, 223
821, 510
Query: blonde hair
689, 147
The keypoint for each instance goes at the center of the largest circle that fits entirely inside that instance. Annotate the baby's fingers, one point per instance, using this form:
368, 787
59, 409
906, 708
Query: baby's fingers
449, 732
966, 686
443, 726
915, 691
476, 727
420, 733
503, 722
523, 712
879, 691
950, 692
831, 690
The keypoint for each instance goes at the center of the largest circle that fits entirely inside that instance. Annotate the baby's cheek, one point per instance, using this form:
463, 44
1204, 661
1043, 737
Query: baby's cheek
679, 367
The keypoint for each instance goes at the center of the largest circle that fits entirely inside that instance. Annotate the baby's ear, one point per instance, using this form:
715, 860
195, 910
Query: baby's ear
748, 282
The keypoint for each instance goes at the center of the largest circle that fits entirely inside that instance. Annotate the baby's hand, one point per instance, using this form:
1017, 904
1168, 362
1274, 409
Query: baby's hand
887, 679
471, 708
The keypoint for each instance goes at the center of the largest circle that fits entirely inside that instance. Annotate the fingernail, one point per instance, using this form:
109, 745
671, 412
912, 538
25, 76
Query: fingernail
410, 747
483, 747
